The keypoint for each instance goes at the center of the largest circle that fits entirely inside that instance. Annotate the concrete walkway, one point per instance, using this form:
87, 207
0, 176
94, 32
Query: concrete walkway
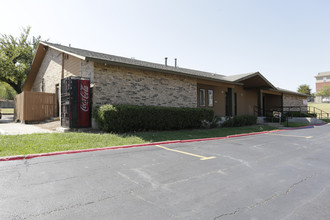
8, 127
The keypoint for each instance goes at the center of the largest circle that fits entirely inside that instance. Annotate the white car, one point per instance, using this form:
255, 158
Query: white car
326, 99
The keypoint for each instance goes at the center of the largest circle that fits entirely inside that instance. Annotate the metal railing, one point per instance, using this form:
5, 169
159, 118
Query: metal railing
292, 111
319, 112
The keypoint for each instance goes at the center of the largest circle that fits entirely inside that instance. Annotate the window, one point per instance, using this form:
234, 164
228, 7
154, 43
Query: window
202, 97
324, 79
210, 91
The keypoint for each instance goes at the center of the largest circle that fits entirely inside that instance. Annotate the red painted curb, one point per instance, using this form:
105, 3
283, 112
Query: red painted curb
30, 156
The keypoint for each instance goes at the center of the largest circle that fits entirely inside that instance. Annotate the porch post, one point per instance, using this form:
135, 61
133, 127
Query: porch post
260, 103
233, 102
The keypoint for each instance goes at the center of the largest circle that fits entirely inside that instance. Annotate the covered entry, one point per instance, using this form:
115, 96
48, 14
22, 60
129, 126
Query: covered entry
271, 101
267, 95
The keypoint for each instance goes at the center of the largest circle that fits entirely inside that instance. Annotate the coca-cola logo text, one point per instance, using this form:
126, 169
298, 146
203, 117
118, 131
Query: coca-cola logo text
84, 97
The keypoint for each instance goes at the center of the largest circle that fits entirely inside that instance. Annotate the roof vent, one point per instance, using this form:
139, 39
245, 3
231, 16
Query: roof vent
165, 61
175, 62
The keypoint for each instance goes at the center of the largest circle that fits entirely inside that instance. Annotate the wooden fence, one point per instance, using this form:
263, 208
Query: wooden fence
35, 106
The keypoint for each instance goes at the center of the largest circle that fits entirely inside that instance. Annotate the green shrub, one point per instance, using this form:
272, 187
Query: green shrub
239, 121
299, 114
127, 118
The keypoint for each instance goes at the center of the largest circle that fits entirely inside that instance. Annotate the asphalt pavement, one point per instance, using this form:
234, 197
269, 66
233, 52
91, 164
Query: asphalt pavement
280, 175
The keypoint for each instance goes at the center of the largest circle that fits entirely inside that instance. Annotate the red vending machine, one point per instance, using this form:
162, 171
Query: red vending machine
75, 102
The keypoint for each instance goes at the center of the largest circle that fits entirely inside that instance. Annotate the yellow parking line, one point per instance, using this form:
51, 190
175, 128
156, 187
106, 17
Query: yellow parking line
182, 152
288, 135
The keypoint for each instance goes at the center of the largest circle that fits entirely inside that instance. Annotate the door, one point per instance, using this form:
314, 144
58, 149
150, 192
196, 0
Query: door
229, 102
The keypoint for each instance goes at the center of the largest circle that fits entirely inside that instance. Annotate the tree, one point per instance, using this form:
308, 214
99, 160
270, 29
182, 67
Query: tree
324, 91
6, 92
16, 55
304, 89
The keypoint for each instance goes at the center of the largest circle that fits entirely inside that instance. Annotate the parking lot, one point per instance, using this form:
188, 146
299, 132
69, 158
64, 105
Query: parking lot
279, 175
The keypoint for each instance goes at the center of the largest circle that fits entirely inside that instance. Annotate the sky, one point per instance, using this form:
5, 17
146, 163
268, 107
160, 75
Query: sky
287, 41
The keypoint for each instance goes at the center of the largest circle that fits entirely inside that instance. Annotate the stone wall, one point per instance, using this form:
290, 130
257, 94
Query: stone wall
122, 85
293, 100
49, 73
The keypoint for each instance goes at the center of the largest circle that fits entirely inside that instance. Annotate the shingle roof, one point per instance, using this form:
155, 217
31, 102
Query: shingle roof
237, 77
291, 92
107, 58
112, 59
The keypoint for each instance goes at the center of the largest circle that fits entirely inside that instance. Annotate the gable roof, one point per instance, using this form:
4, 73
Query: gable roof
123, 61
237, 77
248, 80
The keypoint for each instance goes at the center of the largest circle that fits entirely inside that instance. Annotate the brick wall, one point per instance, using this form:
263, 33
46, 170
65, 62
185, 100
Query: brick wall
49, 73
122, 85
319, 85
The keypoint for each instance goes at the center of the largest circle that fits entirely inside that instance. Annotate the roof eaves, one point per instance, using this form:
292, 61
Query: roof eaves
159, 70
292, 92
256, 74
64, 51
247, 76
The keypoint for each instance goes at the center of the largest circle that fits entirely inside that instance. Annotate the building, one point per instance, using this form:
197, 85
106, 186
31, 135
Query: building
322, 79
120, 80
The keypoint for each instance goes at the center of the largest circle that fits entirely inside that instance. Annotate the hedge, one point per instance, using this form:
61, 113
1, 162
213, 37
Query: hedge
238, 121
128, 118
299, 114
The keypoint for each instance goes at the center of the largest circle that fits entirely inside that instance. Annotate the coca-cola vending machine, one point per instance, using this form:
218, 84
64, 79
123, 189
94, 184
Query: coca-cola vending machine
75, 102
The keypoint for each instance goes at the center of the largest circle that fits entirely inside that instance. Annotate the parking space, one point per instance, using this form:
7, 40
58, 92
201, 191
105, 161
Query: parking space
250, 177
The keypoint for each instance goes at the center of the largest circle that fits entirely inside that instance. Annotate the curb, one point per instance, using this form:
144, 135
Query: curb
30, 156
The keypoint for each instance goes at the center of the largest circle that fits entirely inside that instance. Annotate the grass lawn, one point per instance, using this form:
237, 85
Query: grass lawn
323, 106
42, 143
7, 110
293, 124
